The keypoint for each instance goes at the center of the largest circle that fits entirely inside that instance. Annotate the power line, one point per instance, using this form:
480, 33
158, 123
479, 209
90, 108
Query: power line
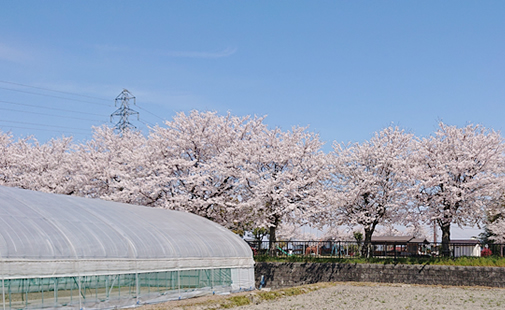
146, 123
46, 95
43, 125
40, 113
65, 92
48, 108
150, 113
123, 112
41, 129
53, 90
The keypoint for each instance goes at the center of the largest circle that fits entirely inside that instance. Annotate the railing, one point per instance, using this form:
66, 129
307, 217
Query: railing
350, 249
306, 248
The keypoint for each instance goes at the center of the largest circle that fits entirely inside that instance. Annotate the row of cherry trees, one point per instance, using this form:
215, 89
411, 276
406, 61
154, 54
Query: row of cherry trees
244, 175
233, 170
455, 176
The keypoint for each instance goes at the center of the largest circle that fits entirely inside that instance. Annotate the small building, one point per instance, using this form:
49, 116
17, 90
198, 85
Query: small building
399, 246
465, 247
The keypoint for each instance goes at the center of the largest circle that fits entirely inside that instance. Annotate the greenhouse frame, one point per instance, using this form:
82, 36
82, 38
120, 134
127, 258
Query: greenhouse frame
70, 252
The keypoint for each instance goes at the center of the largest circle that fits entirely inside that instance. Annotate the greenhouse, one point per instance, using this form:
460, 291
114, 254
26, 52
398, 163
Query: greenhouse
70, 252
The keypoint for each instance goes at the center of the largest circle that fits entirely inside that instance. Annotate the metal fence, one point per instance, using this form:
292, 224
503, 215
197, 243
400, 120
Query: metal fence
350, 249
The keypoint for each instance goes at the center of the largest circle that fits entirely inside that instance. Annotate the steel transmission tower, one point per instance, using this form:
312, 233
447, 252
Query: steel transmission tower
124, 111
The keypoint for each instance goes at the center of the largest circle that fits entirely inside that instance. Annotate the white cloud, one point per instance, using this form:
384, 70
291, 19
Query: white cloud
219, 54
8, 53
185, 54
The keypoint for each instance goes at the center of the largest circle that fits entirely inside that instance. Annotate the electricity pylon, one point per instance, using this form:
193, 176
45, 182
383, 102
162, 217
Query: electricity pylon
124, 111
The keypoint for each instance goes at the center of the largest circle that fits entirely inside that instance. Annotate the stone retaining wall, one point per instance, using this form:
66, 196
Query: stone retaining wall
279, 275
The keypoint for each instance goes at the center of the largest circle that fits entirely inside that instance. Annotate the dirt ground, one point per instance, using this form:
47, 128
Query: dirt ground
354, 295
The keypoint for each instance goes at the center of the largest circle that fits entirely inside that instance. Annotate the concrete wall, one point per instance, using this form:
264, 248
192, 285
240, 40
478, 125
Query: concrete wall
279, 275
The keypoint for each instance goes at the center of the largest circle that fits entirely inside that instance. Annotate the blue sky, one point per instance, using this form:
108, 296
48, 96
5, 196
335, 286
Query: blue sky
345, 68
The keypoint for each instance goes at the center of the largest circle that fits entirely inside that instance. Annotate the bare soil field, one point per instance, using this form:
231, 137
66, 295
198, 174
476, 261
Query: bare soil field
349, 295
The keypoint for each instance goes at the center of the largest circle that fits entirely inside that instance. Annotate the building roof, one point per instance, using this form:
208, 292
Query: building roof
465, 241
35, 225
397, 239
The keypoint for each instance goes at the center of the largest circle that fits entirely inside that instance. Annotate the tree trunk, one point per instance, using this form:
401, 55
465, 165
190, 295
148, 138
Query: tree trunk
446, 238
271, 240
366, 250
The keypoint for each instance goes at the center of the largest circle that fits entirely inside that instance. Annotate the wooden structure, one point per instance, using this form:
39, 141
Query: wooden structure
398, 246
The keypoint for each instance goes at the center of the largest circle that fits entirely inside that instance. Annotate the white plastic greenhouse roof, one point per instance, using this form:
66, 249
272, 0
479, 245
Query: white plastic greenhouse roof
35, 226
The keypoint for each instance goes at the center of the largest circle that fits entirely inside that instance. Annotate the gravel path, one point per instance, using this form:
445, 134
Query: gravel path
388, 296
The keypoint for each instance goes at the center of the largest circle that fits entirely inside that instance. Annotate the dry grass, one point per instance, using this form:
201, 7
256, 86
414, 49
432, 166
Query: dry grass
215, 302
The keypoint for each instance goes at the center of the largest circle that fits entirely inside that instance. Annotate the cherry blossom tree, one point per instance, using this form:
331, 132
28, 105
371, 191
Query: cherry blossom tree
370, 182
7, 159
459, 176
285, 176
113, 166
230, 169
496, 228
193, 164
44, 167
288, 231
417, 231
48, 167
